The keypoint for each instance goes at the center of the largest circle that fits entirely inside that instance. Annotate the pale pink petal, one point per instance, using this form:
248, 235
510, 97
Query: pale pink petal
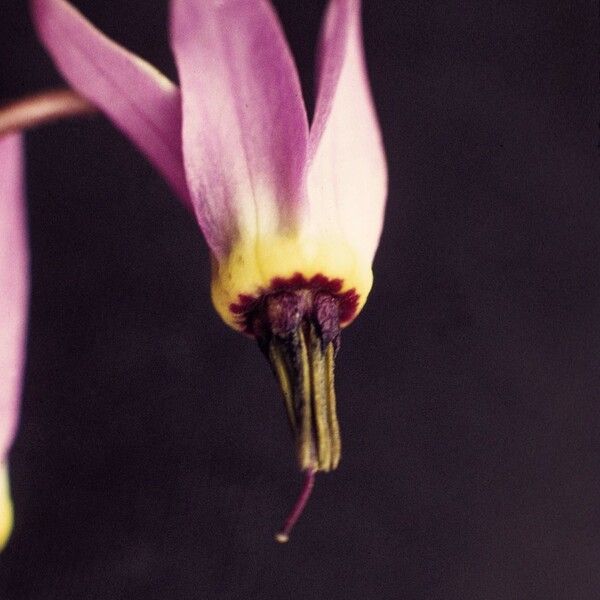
347, 173
14, 285
244, 124
141, 102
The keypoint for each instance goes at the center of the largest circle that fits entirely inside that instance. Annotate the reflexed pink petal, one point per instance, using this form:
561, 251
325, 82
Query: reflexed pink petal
244, 124
14, 285
347, 175
143, 103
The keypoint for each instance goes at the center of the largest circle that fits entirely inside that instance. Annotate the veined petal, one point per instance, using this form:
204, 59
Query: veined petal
347, 174
141, 101
14, 283
245, 129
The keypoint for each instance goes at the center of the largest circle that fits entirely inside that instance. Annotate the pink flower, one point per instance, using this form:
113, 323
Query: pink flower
292, 214
14, 283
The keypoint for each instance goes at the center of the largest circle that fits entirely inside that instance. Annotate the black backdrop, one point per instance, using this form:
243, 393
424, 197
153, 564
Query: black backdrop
153, 459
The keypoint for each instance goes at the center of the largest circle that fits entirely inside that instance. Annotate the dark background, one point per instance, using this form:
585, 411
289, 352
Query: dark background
153, 459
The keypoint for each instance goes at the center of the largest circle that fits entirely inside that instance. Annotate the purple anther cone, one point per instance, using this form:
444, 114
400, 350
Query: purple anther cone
326, 314
284, 312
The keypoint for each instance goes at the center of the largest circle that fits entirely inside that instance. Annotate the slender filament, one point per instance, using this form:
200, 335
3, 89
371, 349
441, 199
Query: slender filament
278, 362
305, 441
320, 401
334, 426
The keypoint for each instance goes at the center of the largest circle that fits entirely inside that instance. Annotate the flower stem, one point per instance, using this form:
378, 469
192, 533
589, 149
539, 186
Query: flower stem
309, 482
42, 108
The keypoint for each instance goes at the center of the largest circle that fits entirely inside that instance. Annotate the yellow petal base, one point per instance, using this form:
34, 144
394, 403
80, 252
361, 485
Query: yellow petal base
6, 507
253, 263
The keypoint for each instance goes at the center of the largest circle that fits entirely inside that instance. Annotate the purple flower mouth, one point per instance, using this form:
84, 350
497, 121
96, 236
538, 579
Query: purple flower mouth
249, 307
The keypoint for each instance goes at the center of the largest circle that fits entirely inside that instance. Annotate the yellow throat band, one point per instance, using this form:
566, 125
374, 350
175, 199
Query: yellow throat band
6, 507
